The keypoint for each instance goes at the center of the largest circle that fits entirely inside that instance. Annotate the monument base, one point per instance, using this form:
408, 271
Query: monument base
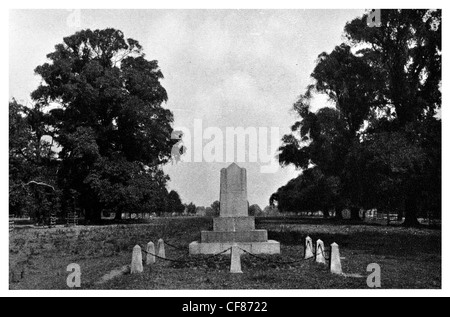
234, 236
267, 247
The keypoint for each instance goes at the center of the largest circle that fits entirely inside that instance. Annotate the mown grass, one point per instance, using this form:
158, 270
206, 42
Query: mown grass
409, 258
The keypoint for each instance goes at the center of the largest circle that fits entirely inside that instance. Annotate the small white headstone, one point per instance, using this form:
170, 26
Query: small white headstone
235, 260
161, 249
320, 252
308, 248
335, 262
136, 261
150, 259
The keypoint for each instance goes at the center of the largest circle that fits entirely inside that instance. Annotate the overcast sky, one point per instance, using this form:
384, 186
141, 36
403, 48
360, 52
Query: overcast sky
228, 68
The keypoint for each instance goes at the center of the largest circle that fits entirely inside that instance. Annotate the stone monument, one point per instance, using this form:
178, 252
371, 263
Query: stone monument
234, 227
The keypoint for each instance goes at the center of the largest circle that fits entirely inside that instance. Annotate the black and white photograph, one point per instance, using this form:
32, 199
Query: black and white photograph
224, 149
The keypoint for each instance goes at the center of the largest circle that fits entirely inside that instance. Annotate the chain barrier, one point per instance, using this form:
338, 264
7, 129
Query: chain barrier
186, 261
266, 259
160, 257
314, 252
285, 262
175, 247
324, 256
322, 251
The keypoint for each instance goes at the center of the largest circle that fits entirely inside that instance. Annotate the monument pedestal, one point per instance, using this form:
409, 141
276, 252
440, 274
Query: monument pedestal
234, 226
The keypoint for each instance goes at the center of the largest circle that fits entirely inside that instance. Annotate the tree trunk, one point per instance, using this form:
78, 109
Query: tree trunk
354, 213
411, 211
93, 215
339, 213
399, 215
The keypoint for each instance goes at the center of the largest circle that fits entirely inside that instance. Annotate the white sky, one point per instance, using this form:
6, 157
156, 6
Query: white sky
230, 68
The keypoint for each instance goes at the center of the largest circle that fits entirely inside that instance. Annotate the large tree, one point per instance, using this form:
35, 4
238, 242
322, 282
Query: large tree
385, 85
104, 101
323, 139
406, 49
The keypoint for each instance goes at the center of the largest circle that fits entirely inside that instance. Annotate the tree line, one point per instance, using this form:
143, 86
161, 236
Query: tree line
97, 134
379, 146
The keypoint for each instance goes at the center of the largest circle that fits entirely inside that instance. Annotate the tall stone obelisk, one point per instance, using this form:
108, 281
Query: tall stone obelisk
234, 226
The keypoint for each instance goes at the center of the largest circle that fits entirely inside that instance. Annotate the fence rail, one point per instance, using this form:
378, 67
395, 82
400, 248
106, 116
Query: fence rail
52, 222
72, 220
11, 223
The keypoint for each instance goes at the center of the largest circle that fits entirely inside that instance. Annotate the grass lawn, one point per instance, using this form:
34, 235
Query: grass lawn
409, 258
